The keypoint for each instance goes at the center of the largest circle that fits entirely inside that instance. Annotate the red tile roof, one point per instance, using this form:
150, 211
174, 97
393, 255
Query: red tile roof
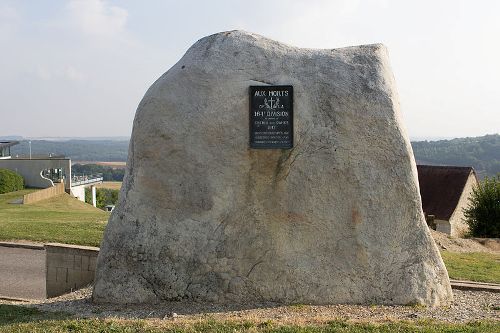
441, 188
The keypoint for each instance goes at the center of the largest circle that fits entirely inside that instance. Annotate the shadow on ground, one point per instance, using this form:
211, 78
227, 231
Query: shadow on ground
15, 314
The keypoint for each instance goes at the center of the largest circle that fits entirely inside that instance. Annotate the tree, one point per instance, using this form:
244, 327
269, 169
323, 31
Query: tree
104, 196
483, 212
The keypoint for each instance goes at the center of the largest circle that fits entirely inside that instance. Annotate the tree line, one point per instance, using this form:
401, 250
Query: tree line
108, 173
482, 153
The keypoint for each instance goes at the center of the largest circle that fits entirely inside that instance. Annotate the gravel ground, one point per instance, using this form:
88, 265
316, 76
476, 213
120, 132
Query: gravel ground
453, 244
467, 306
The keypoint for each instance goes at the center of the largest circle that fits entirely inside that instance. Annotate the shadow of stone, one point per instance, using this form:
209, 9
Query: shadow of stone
17, 314
84, 307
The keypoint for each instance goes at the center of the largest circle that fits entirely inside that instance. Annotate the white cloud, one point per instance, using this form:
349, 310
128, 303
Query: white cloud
66, 73
9, 20
97, 18
73, 74
43, 73
313, 23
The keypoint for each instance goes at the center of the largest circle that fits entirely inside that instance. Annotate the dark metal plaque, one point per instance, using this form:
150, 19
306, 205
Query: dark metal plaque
271, 117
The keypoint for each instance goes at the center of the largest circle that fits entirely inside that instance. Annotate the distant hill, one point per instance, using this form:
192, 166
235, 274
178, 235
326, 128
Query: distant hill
77, 150
11, 138
482, 153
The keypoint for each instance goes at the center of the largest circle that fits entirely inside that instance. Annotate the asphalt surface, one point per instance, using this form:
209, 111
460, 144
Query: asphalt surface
22, 273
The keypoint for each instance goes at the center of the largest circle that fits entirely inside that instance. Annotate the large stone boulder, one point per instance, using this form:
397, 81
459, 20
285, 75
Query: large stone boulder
335, 219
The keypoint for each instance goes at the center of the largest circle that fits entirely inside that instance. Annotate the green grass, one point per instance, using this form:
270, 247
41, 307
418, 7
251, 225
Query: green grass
62, 219
21, 319
481, 267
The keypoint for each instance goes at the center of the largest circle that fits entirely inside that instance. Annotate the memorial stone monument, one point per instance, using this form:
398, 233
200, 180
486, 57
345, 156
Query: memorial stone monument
258, 171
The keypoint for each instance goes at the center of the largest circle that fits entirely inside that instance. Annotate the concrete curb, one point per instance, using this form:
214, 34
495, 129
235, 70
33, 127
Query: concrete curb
22, 245
475, 286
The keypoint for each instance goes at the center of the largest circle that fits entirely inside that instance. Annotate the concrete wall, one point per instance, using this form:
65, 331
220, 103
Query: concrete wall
457, 219
78, 192
31, 170
47, 193
69, 267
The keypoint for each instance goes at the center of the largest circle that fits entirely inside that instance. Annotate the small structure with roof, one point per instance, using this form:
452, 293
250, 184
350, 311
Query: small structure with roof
445, 191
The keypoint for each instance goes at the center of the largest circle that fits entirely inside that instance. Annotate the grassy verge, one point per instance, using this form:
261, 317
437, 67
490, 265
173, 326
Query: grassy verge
61, 219
21, 319
481, 267
13, 314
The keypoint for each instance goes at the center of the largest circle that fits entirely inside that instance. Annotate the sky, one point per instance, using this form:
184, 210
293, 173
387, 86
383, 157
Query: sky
79, 68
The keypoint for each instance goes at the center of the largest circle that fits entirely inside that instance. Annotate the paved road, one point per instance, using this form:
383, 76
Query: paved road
22, 273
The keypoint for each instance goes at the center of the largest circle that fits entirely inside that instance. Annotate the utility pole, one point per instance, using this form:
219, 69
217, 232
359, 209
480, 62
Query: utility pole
30, 148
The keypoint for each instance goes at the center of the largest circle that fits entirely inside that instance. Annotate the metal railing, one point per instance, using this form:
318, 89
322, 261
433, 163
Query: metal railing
86, 179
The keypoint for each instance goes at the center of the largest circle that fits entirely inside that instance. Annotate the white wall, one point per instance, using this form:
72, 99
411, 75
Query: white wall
457, 219
31, 170
78, 192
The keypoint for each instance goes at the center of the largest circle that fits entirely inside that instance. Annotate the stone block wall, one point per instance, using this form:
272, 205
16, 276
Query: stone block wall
69, 267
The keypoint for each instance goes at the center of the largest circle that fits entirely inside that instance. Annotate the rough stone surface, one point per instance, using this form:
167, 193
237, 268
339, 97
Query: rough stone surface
336, 219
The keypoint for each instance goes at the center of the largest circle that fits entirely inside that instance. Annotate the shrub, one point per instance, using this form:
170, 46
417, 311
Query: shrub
10, 181
483, 212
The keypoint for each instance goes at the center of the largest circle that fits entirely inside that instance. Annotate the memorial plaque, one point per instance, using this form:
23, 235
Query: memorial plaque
271, 117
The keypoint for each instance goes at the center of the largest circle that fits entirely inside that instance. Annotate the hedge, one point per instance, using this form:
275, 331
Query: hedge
10, 181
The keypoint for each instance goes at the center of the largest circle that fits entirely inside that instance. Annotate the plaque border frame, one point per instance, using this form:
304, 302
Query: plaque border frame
250, 123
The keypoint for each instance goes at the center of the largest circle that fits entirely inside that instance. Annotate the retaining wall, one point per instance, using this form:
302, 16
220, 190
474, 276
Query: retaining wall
69, 267
46, 193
